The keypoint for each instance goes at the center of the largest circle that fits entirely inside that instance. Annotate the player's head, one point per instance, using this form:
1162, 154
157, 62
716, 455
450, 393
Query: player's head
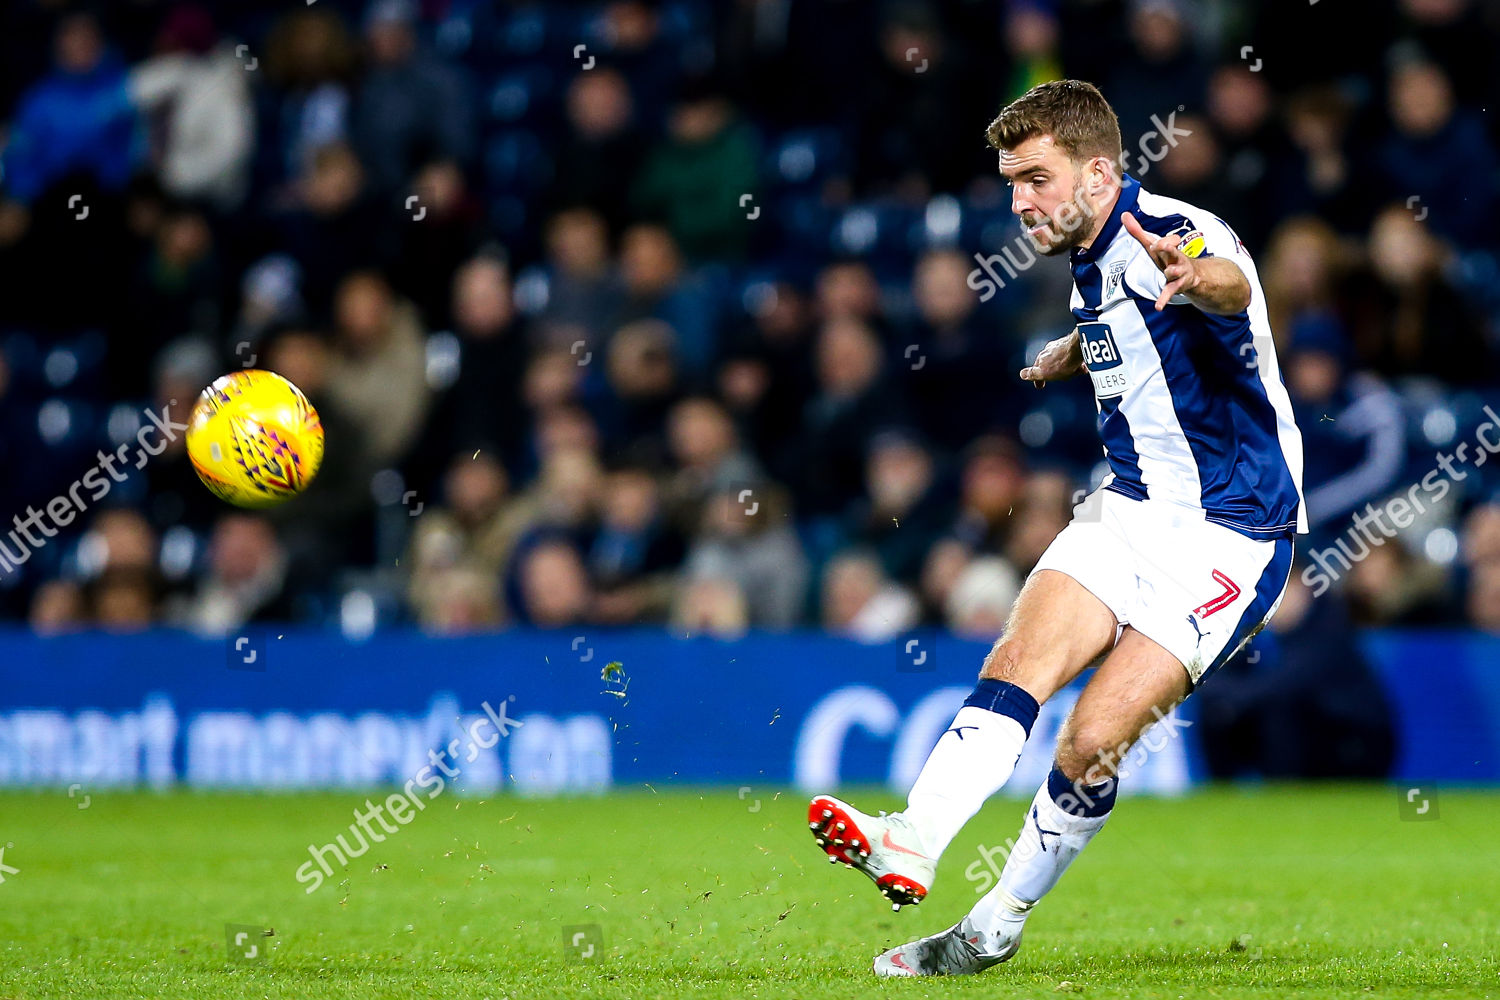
1059, 147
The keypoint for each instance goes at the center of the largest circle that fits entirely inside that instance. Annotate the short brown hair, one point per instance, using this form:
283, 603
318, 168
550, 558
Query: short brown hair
1073, 112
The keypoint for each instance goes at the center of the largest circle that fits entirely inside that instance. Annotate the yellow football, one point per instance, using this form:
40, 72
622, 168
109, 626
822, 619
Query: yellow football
254, 439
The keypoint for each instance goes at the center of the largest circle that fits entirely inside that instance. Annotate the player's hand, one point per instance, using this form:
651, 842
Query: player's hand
1180, 270
1060, 359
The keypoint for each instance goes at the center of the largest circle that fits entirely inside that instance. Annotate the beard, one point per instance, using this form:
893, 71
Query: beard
1049, 237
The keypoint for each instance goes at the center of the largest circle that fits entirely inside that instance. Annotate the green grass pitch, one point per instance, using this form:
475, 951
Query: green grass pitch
1238, 893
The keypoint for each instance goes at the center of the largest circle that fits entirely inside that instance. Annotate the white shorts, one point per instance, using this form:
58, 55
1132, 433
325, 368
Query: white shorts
1199, 589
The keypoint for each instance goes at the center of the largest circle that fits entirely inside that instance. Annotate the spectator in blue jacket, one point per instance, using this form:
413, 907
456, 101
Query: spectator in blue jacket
411, 108
1354, 437
1440, 154
77, 118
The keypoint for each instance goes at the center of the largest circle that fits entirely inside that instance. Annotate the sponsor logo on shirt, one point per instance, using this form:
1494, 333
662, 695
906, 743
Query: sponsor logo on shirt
1101, 356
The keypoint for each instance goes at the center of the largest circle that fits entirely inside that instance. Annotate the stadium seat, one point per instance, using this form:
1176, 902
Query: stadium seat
515, 161
805, 158
24, 358
522, 95
524, 31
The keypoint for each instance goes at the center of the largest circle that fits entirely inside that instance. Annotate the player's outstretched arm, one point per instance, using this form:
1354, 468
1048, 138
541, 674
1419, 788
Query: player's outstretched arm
1060, 359
1210, 283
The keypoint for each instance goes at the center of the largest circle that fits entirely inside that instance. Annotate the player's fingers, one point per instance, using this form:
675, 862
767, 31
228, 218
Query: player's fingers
1167, 292
1034, 376
1165, 252
1135, 229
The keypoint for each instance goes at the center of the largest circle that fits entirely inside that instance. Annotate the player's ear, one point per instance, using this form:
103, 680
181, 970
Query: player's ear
1101, 173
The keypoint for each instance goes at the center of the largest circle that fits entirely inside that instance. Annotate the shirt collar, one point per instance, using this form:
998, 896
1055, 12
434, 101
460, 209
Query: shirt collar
1130, 190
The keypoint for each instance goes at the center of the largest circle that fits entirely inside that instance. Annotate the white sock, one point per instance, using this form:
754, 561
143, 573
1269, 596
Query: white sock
1049, 841
973, 760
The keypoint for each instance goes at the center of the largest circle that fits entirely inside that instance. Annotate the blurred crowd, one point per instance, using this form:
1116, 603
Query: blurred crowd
666, 311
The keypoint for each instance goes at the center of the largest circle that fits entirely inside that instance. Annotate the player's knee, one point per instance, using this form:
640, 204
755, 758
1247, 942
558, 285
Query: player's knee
1030, 665
1013, 658
1004, 661
1090, 755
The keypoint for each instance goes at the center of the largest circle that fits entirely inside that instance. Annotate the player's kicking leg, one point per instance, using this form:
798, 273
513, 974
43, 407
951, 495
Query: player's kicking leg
1056, 629
1137, 684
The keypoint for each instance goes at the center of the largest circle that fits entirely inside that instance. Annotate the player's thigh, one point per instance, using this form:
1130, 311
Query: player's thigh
1138, 683
1056, 629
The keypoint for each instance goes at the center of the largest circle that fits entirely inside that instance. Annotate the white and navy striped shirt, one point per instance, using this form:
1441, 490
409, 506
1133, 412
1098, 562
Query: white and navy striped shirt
1192, 408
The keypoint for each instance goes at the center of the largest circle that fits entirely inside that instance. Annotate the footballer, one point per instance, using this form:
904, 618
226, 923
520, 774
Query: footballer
1166, 570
